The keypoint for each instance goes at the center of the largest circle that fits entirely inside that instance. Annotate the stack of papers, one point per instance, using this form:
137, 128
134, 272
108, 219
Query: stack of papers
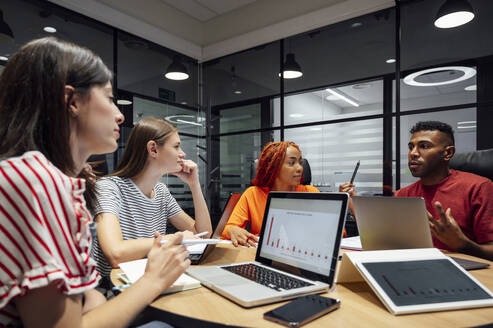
135, 269
352, 243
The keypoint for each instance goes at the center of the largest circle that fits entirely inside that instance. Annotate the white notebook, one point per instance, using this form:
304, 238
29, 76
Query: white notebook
135, 269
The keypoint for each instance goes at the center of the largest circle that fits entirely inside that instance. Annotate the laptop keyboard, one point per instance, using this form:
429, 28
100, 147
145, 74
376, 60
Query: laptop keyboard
266, 277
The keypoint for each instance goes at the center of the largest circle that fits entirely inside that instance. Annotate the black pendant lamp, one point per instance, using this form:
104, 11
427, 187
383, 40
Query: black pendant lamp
292, 70
176, 70
234, 83
5, 31
454, 13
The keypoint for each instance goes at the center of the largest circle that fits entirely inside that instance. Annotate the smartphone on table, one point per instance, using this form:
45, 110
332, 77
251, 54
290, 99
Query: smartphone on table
302, 310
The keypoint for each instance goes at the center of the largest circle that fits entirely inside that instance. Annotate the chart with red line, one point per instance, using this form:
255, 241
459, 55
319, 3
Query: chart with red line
300, 237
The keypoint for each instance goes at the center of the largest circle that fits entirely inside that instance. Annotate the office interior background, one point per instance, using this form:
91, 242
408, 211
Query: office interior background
345, 107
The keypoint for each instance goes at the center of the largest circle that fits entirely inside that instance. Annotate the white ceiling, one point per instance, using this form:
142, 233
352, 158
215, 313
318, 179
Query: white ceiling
204, 10
207, 29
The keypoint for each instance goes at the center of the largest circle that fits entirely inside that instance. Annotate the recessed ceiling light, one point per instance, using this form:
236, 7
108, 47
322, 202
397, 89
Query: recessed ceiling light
471, 88
237, 92
3, 58
123, 102
296, 115
468, 73
49, 29
183, 102
357, 24
390, 61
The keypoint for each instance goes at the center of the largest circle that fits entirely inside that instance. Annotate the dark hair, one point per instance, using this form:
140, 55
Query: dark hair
434, 126
33, 112
270, 162
135, 155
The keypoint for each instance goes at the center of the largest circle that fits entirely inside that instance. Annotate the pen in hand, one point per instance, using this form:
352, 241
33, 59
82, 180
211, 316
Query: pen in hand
200, 234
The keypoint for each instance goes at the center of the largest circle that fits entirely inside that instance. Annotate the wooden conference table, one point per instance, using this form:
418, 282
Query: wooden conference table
360, 307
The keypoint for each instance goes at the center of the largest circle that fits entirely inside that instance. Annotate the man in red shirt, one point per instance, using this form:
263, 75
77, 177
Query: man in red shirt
467, 223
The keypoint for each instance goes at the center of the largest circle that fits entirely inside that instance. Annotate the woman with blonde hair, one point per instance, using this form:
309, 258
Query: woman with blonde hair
132, 203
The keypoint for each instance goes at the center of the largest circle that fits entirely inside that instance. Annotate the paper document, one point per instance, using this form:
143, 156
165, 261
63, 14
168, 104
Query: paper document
352, 243
135, 269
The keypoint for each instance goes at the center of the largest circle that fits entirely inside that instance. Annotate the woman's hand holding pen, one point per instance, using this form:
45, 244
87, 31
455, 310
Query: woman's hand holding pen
348, 187
240, 236
165, 263
189, 172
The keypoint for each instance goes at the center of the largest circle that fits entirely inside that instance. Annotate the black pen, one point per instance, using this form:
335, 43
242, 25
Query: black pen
354, 173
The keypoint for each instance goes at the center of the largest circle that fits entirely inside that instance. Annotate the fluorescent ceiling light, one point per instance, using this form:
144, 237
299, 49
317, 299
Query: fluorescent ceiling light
4, 58
123, 102
49, 29
390, 61
343, 97
188, 122
466, 125
471, 88
468, 73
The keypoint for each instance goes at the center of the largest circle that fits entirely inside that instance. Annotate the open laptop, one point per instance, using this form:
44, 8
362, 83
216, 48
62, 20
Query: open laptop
297, 251
397, 223
197, 258
392, 222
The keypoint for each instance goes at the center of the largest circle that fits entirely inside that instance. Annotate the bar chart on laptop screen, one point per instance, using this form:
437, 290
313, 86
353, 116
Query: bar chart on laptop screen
306, 237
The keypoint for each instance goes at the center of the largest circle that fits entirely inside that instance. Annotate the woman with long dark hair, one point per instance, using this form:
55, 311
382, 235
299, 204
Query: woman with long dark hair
279, 169
132, 203
56, 109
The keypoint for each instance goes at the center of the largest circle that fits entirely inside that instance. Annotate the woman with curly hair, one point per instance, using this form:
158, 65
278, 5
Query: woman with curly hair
279, 169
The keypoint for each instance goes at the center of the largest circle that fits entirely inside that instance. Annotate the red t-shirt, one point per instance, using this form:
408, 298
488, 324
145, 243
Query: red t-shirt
469, 197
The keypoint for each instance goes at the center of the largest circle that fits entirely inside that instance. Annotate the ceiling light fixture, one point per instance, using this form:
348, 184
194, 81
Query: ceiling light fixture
49, 29
292, 70
296, 115
176, 70
343, 97
466, 125
4, 58
468, 73
5, 31
390, 61
454, 13
234, 83
471, 88
124, 102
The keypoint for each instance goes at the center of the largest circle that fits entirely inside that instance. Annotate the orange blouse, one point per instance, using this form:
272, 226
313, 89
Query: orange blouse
251, 207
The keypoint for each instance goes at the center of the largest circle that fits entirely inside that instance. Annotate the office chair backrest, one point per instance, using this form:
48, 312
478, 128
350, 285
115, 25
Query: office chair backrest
307, 172
228, 209
478, 162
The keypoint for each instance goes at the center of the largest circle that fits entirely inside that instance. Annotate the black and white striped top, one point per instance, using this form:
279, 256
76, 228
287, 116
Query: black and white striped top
138, 214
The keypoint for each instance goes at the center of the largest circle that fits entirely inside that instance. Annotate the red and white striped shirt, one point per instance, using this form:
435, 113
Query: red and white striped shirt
44, 231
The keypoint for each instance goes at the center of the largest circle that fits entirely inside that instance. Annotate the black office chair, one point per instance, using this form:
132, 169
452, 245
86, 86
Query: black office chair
307, 172
478, 162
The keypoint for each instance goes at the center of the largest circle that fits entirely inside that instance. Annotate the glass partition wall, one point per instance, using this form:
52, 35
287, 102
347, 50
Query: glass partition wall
342, 105
337, 97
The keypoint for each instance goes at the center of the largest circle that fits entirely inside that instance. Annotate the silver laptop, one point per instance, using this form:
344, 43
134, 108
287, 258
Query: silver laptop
392, 222
296, 255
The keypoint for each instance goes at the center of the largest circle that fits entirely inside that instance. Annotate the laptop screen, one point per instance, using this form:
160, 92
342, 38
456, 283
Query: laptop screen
303, 232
